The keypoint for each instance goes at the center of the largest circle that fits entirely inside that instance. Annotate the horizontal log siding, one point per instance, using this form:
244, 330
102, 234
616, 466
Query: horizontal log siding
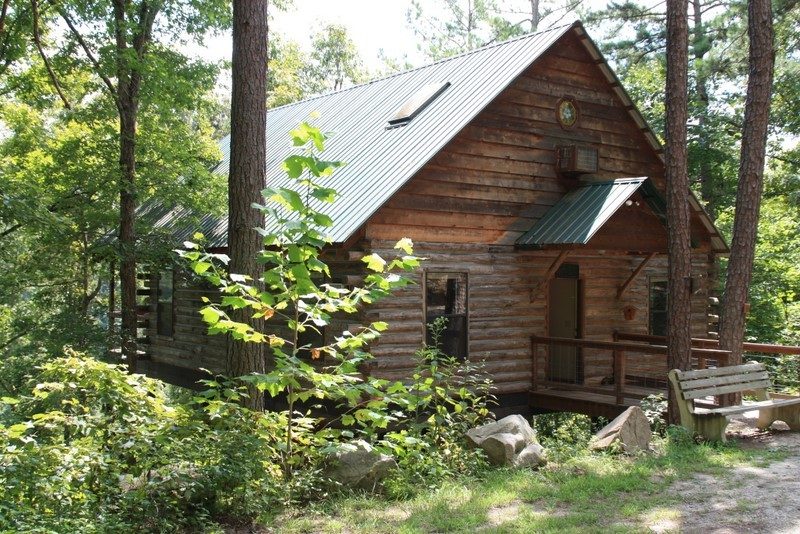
506, 307
191, 347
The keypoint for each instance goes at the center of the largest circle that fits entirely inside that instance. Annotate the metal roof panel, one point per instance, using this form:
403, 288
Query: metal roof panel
575, 218
378, 161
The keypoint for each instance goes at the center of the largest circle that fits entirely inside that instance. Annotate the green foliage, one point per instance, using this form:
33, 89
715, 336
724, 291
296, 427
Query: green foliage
562, 429
446, 398
774, 310
429, 415
87, 447
296, 304
59, 168
655, 409
451, 27
565, 434
294, 74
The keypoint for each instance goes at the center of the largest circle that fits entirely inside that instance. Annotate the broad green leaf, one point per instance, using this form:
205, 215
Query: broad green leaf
406, 245
374, 262
324, 194
201, 266
210, 315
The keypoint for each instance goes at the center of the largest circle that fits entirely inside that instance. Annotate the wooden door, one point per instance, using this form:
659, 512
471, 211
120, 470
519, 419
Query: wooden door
565, 363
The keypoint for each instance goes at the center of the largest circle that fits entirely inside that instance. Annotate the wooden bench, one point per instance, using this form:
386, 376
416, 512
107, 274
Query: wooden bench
751, 377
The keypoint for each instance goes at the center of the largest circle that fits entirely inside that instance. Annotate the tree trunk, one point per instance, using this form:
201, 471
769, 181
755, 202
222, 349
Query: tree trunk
677, 175
127, 214
751, 177
247, 173
536, 16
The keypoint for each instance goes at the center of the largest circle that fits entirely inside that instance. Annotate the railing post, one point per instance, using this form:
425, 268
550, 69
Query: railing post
619, 376
534, 364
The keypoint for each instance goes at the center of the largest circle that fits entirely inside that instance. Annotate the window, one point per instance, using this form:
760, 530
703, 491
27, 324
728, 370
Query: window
418, 101
165, 307
658, 307
446, 296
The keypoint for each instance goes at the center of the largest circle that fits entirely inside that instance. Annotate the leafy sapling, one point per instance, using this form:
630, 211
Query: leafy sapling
294, 299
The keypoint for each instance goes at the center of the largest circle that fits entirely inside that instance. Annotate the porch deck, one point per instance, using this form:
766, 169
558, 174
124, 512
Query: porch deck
593, 403
626, 387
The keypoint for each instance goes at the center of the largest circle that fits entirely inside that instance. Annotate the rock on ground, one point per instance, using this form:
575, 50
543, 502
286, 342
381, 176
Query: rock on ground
510, 441
358, 465
630, 430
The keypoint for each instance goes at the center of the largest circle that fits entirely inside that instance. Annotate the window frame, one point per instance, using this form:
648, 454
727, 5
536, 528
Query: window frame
172, 304
432, 271
651, 280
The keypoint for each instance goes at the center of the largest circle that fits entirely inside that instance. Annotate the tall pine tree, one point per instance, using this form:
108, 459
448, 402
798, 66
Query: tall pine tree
751, 177
247, 173
678, 238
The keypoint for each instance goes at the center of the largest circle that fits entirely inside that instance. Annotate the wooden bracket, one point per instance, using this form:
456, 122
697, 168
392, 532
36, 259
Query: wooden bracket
549, 274
624, 287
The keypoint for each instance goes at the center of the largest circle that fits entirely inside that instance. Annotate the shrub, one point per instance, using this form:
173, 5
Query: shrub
445, 398
655, 409
88, 447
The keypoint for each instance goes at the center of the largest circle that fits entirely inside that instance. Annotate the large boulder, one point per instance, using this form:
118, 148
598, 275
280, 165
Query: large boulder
532, 455
358, 465
629, 431
510, 441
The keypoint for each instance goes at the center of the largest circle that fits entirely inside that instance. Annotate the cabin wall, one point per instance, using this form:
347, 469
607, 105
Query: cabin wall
190, 347
508, 304
176, 358
466, 208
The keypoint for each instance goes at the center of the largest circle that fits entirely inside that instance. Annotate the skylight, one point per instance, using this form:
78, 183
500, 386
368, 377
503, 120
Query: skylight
418, 101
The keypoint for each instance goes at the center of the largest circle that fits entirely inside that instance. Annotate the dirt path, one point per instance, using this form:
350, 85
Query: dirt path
747, 499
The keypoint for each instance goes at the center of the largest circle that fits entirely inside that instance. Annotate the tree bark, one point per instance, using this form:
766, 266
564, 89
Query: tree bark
751, 177
129, 80
247, 174
127, 107
677, 177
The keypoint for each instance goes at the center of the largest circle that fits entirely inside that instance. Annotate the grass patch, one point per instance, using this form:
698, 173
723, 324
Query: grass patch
577, 493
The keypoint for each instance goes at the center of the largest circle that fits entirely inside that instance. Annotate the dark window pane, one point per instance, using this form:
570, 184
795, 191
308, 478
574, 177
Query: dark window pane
446, 296
164, 308
658, 308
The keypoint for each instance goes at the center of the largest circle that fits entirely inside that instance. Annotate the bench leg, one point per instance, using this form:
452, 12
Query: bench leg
711, 427
766, 416
788, 414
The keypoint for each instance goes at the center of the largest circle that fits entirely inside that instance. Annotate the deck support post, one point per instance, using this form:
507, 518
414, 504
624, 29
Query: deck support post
619, 376
534, 364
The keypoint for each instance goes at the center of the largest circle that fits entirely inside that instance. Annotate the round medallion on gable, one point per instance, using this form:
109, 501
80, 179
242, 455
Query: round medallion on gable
567, 112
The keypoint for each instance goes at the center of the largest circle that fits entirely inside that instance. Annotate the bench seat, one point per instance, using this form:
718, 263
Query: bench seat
690, 386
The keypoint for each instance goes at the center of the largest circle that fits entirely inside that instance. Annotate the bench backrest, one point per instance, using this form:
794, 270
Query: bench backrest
692, 385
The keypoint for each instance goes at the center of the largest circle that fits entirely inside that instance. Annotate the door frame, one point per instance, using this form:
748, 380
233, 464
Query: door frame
580, 319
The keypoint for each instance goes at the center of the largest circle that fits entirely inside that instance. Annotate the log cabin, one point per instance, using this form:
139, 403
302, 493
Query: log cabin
526, 176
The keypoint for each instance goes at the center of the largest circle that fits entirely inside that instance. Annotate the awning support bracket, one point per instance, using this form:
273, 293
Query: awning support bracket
635, 274
549, 274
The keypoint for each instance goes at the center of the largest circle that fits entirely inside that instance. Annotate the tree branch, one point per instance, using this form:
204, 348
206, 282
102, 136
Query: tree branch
37, 40
88, 52
3, 14
10, 230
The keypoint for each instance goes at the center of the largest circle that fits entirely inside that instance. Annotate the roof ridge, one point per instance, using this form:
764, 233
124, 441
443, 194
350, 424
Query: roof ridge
427, 65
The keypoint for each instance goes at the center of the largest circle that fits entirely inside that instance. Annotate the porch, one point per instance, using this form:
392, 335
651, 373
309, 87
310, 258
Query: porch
603, 378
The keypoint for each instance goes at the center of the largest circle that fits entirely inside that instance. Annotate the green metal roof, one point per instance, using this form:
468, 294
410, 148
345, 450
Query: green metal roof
379, 161
575, 218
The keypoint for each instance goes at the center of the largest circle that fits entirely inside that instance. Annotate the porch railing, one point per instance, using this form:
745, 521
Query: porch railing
783, 361
619, 351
